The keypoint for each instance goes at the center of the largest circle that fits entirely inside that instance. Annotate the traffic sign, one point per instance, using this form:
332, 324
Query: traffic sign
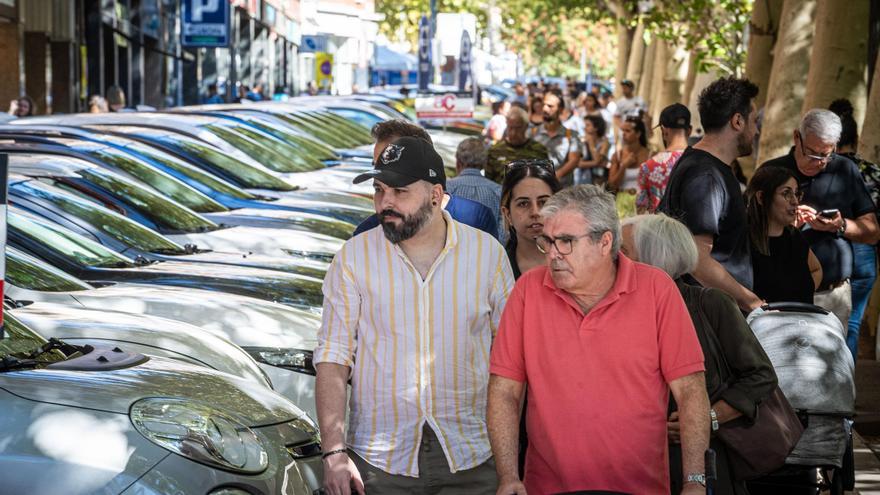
313, 43
205, 23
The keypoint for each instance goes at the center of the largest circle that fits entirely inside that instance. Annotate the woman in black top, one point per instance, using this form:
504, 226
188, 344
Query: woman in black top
785, 268
527, 185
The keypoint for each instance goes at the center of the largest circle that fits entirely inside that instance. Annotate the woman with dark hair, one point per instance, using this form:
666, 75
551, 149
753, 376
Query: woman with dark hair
785, 269
623, 174
864, 270
494, 130
527, 185
591, 168
536, 111
23, 106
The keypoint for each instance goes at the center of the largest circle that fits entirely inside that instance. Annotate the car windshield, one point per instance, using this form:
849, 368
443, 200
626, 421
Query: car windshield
163, 211
362, 117
346, 140
27, 272
357, 132
70, 245
244, 174
162, 182
293, 151
111, 223
325, 135
192, 172
18, 341
277, 157
276, 127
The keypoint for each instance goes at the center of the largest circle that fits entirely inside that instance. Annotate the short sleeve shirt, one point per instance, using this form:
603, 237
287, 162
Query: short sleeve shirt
704, 194
597, 383
653, 177
502, 153
559, 146
840, 185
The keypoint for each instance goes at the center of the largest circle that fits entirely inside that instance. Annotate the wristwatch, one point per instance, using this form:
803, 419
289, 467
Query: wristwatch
696, 478
714, 418
842, 229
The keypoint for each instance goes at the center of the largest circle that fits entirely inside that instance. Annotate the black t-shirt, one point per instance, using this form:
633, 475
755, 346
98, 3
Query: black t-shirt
784, 275
704, 194
839, 185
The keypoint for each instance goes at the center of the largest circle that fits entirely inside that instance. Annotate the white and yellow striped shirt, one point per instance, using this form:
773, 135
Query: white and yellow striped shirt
419, 349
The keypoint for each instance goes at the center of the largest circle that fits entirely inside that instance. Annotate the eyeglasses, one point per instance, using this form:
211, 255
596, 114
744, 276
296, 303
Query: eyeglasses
563, 244
819, 158
789, 195
545, 164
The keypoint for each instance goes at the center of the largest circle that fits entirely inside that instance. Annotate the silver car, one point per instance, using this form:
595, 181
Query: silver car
102, 420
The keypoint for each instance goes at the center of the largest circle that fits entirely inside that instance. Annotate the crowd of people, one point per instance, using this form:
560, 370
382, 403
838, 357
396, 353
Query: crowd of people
603, 340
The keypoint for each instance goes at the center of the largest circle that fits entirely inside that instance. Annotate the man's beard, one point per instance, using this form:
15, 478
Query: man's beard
410, 226
744, 146
550, 118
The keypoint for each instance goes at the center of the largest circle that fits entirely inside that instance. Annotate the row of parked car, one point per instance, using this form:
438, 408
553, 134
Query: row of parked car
163, 292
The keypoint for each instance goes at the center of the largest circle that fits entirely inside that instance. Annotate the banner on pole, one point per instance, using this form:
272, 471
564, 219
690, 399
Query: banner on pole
464, 61
425, 67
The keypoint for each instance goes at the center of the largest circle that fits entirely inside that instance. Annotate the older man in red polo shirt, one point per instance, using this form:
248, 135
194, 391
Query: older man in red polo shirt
600, 341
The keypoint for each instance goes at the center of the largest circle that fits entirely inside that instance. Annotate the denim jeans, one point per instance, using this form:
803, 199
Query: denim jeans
863, 276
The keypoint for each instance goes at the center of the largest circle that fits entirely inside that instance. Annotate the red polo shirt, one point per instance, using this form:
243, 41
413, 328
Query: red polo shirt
597, 384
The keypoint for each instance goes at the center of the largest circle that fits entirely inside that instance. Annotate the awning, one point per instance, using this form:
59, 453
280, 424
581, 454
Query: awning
384, 58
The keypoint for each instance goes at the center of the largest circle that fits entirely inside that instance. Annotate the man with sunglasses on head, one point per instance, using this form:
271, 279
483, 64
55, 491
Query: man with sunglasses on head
597, 341
704, 194
836, 208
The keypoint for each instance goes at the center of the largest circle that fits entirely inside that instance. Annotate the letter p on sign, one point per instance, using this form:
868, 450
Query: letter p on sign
203, 6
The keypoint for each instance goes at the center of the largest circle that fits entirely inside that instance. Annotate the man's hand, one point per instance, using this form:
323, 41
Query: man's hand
823, 224
673, 428
340, 475
513, 487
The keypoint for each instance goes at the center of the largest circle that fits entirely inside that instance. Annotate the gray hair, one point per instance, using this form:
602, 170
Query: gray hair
517, 113
821, 123
665, 243
472, 153
594, 204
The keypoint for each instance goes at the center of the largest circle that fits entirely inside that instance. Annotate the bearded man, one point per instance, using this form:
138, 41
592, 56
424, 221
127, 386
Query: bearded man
410, 311
704, 194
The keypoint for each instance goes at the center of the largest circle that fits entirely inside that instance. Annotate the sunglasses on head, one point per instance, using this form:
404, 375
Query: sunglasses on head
545, 164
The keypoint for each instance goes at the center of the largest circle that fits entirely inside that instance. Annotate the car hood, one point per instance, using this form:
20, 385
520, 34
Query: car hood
174, 337
284, 219
272, 242
246, 321
336, 178
115, 391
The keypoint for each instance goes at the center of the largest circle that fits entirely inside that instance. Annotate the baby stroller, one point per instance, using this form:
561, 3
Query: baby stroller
807, 346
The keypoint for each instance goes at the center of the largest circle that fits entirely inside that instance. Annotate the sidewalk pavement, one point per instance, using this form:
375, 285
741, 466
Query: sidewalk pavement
867, 426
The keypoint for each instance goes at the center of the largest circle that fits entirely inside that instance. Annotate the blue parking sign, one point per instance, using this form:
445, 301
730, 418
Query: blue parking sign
205, 23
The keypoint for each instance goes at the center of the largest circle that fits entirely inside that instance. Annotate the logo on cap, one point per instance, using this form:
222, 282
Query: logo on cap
431, 173
391, 153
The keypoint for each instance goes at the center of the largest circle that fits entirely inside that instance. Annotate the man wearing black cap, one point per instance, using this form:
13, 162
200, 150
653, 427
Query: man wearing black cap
462, 209
410, 311
675, 126
704, 194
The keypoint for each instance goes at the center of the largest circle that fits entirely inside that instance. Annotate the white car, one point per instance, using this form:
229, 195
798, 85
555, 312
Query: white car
278, 337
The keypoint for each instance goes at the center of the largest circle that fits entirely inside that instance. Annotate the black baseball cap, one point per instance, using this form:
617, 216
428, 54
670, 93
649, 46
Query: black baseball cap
627, 82
675, 116
405, 161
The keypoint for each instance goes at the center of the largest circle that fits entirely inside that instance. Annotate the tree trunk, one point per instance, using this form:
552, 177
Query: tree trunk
869, 137
791, 62
661, 57
647, 72
762, 36
690, 80
636, 56
839, 59
624, 42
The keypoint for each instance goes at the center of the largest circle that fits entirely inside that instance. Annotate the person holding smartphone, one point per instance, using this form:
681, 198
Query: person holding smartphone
836, 209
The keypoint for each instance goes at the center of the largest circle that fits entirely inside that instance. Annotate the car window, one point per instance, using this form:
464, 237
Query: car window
162, 182
111, 223
19, 340
277, 127
27, 272
65, 243
293, 151
161, 210
325, 135
360, 116
269, 156
246, 175
188, 170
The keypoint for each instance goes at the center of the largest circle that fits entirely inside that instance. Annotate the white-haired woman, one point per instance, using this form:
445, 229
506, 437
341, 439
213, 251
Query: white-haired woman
739, 374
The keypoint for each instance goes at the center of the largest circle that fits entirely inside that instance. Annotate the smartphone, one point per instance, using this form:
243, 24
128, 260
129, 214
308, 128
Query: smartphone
829, 213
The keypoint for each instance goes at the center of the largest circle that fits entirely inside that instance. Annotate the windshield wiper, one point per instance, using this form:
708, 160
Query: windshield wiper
29, 361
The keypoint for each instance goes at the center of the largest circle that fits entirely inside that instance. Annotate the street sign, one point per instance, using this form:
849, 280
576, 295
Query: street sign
205, 23
447, 106
426, 70
323, 70
464, 61
313, 43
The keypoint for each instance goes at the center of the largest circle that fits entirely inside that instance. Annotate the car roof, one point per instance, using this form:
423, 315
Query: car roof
44, 163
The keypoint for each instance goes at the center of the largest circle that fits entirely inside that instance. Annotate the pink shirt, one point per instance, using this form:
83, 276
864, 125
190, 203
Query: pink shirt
597, 384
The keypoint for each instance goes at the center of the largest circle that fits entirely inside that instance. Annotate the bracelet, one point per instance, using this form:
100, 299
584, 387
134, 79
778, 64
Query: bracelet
714, 419
334, 452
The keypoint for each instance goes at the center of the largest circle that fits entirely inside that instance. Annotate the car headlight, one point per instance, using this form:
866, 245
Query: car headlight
199, 433
299, 360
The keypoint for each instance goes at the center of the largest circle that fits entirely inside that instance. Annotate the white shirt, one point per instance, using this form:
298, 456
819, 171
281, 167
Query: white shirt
418, 349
